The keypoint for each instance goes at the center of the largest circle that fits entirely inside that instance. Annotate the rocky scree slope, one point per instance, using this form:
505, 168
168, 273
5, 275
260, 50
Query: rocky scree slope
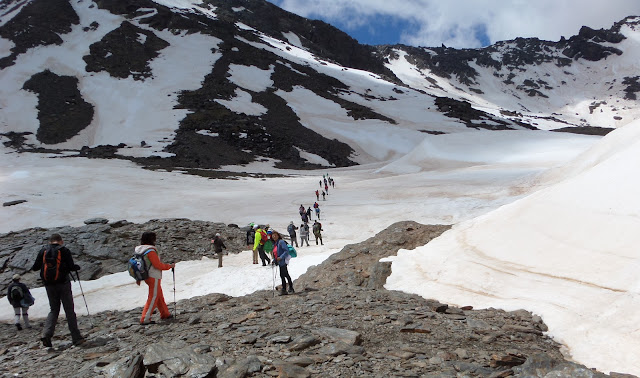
328, 328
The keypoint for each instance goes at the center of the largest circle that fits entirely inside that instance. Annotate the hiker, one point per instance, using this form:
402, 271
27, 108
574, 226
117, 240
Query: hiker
283, 260
268, 245
317, 228
309, 213
20, 298
321, 183
304, 234
317, 207
317, 195
292, 233
305, 217
55, 263
155, 299
323, 195
301, 210
258, 246
251, 236
326, 188
218, 245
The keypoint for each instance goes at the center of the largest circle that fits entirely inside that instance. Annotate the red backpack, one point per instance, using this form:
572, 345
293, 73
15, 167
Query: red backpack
263, 236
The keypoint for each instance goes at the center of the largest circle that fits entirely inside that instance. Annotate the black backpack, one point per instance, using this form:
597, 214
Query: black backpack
51, 262
16, 294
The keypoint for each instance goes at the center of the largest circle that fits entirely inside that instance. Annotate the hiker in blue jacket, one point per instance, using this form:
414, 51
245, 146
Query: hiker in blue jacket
283, 261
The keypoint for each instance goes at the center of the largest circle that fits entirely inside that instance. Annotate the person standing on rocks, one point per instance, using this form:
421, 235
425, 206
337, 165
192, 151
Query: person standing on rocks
218, 245
317, 231
155, 299
20, 298
283, 260
292, 233
304, 234
55, 263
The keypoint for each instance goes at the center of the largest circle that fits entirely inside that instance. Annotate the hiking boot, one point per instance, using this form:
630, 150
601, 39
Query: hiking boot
170, 317
79, 341
291, 291
18, 326
46, 341
283, 292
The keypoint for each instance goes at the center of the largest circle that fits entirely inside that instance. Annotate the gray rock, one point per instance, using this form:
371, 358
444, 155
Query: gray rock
96, 221
338, 348
337, 334
303, 342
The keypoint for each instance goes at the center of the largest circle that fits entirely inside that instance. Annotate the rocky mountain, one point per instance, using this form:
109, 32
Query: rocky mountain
203, 86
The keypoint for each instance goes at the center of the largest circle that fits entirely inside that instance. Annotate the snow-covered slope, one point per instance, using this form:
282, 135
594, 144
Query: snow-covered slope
568, 252
204, 86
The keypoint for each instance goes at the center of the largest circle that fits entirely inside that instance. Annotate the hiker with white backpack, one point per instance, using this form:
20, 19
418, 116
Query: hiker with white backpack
155, 299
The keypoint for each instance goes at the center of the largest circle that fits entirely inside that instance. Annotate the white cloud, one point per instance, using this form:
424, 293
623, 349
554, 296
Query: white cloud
455, 23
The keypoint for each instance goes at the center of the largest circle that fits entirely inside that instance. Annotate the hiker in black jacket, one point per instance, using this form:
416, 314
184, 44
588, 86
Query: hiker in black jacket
55, 263
20, 299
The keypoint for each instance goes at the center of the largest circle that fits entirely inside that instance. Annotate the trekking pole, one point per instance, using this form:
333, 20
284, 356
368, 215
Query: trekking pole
85, 299
175, 311
273, 274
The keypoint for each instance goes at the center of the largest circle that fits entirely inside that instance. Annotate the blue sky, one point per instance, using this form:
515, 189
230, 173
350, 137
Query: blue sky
461, 23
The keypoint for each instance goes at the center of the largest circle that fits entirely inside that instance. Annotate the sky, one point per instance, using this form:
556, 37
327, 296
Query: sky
543, 221
461, 23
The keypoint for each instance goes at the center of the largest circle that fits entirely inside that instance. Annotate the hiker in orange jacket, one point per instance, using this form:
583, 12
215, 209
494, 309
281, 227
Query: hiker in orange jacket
155, 298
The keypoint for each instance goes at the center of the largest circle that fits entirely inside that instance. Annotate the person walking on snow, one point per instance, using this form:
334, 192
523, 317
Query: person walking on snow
251, 236
292, 233
318, 196
283, 258
323, 195
155, 299
55, 263
304, 234
218, 245
317, 207
317, 229
258, 246
301, 210
309, 213
20, 299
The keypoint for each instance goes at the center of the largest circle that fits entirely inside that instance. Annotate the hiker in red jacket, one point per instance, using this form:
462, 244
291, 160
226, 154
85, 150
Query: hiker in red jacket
155, 299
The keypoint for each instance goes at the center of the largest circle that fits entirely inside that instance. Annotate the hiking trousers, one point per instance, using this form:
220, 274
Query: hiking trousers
294, 239
318, 236
154, 300
263, 256
284, 276
57, 294
303, 239
25, 315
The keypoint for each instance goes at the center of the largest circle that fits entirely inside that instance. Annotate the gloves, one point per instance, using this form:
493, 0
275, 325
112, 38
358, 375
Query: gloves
76, 267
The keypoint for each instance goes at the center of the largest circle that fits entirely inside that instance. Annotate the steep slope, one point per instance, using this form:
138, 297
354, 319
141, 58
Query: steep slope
213, 84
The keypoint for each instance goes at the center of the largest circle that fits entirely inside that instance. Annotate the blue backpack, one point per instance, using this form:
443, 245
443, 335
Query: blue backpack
139, 264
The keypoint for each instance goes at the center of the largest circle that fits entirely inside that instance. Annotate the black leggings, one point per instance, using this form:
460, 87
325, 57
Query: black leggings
284, 274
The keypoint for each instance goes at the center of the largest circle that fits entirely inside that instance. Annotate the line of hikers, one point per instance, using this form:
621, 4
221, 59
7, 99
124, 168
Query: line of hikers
55, 264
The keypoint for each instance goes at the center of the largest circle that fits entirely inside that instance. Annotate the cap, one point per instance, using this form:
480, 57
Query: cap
291, 222
269, 232
255, 226
218, 235
16, 277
